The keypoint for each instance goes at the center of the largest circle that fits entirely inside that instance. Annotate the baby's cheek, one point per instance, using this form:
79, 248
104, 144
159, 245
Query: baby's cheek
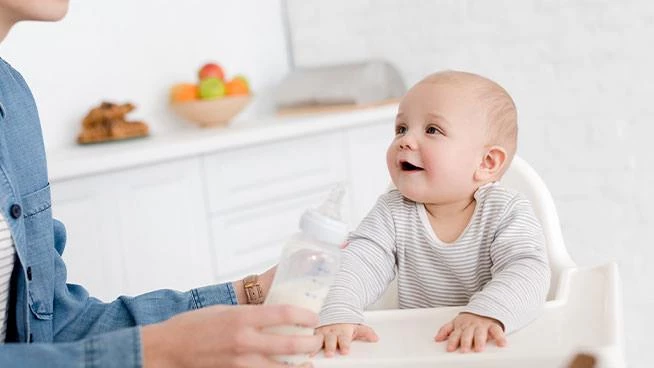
390, 155
437, 166
390, 162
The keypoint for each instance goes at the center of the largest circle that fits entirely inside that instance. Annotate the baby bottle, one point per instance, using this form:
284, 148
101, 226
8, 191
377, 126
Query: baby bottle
309, 262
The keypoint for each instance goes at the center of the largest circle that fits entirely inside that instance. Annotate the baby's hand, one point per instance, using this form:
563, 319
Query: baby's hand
470, 330
342, 334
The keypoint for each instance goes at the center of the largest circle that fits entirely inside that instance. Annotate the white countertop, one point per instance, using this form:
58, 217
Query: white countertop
74, 161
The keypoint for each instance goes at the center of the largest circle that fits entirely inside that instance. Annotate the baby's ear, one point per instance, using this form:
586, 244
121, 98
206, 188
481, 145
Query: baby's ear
492, 164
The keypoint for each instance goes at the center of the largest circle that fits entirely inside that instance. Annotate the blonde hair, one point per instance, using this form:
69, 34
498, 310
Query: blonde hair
501, 112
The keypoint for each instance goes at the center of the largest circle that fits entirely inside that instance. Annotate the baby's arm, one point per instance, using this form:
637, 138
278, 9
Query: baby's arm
367, 267
520, 272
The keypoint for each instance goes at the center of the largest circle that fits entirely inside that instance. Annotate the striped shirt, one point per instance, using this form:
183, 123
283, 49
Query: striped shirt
496, 268
7, 253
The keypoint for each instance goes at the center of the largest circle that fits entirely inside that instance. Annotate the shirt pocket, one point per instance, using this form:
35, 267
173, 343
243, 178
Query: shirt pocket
39, 236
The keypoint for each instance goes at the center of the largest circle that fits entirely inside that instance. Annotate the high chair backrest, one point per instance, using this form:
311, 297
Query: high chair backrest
523, 178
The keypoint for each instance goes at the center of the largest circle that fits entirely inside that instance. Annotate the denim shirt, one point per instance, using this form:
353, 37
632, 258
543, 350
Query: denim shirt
52, 323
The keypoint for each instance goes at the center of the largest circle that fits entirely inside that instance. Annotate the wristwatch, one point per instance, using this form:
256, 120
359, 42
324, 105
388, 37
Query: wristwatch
253, 290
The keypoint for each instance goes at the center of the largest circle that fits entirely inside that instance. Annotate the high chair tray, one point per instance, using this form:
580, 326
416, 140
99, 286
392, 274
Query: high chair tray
587, 318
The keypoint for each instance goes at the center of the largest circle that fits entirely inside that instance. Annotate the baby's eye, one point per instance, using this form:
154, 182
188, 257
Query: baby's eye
432, 130
400, 129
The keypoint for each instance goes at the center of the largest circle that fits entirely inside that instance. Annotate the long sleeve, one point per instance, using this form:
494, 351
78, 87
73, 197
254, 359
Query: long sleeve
108, 334
367, 267
122, 346
520, 272
115, 349
95, 317
82, 331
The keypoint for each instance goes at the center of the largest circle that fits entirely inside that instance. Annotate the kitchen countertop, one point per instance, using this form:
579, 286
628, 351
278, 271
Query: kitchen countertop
74, 161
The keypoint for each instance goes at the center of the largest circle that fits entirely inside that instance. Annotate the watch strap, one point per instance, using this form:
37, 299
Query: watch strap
253, 290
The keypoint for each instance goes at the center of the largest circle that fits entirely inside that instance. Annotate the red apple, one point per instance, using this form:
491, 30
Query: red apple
211, 70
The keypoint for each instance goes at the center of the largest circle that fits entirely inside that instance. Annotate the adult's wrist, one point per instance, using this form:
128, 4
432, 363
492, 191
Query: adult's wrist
154, 347
239, 290
263, 281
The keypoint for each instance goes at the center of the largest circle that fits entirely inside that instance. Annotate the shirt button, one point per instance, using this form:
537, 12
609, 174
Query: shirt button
29, 273
16, 211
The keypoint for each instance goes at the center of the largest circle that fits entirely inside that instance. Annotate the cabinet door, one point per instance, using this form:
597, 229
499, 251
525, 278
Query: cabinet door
137, 230
93, 258
245, 176
164, 226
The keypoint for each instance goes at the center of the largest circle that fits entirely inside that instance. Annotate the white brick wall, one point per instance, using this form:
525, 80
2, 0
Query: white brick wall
581, 74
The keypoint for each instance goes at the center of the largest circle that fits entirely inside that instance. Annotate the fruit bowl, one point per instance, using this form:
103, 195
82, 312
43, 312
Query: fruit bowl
209, 113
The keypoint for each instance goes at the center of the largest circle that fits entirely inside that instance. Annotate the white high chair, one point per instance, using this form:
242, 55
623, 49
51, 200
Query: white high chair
583, 312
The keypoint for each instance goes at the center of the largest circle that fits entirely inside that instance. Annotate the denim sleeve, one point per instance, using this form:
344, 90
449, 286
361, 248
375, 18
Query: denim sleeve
90, 333
120, 348
95, 317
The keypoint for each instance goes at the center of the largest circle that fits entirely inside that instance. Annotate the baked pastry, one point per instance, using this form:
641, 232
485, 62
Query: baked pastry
107, 123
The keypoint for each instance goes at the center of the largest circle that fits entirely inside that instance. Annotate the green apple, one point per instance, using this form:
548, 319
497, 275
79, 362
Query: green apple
211, 88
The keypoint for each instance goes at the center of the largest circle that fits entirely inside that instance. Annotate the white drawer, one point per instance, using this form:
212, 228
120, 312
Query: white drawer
251, 240
246, 176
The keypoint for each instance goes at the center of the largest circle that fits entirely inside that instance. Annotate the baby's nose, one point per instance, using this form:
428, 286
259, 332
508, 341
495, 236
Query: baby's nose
407, 144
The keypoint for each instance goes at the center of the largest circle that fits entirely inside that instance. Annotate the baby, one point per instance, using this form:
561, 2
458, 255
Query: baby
450, 232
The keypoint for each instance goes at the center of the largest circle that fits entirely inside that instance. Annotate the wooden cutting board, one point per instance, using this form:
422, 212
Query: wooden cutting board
328, 109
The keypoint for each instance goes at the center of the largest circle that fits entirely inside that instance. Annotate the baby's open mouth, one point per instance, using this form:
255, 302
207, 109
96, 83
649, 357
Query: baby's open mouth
407, 166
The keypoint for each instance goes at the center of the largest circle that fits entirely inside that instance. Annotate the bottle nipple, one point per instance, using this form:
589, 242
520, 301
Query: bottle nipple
332, 205
324, 223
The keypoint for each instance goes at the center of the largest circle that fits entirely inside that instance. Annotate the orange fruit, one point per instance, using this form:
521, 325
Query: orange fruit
184, 92
237, 86
243, 79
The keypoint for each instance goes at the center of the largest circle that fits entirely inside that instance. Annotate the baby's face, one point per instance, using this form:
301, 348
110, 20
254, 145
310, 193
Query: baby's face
440, 138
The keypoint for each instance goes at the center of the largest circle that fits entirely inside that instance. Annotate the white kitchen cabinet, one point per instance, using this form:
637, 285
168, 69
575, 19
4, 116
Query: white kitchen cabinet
205, 206
256, 174
135, 230
92, 252
165, 237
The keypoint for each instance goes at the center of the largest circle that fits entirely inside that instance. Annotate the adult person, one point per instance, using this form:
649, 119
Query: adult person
46, 322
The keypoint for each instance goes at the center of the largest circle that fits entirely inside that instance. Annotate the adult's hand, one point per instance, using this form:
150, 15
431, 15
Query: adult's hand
227, 336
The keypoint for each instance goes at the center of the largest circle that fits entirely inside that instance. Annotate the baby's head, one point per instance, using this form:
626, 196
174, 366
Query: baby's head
454, 132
